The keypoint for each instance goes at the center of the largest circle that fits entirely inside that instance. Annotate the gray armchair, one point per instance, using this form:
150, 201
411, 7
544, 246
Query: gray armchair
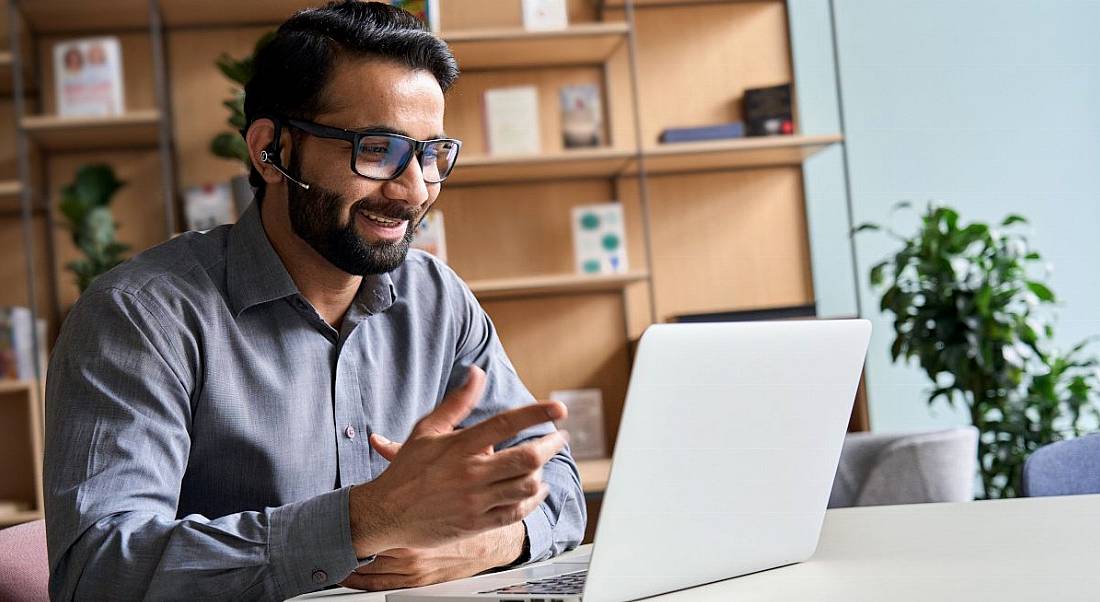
1064, 468
909, 468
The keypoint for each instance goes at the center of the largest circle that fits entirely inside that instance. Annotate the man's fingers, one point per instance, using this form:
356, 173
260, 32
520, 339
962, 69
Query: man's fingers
507, 424
511, 491
523, 460
385, 448
513, 513
455, 407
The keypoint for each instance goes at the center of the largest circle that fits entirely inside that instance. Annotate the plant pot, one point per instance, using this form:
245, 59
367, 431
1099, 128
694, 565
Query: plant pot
243, 193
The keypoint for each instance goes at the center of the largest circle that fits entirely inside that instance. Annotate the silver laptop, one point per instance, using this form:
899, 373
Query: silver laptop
729, 441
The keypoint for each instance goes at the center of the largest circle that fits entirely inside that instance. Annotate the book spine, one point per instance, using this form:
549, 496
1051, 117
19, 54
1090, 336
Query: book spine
710, 132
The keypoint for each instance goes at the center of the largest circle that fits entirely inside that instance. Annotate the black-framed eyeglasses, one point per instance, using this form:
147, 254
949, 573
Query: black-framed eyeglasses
384, 155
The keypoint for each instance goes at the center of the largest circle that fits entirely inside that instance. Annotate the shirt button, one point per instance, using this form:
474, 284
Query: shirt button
320, 576
350, 432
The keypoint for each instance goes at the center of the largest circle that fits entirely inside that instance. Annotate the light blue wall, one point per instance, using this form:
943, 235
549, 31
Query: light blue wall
990, 106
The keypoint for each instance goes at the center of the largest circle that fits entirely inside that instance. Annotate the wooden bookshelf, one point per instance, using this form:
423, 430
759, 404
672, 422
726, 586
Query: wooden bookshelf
552, 285
576, 163
581, 44
82, 16
594, 474
135, 129
739, 153
16, 386
10, 519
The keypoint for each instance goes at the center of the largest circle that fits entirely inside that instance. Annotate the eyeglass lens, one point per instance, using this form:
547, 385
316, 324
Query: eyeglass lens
382, 156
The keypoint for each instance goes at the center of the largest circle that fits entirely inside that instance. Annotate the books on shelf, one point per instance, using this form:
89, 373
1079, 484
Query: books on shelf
584, 422
720, 131
543, 15
431, 236
599, 239
17, 340
581, 116
512, 121
88, 75
425, 10
208, 206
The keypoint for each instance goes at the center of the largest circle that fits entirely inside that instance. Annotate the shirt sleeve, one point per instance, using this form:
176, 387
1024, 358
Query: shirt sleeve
118, 418
558, 524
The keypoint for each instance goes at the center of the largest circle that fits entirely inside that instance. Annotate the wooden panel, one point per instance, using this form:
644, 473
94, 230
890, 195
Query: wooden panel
734, 240
582, 44
571, 163
464, 112
139, 129
698, 79
193, 13
568, 343
17, 447
552, 285
13, 267
9, 160
198, 89
658, 3
515, 231
594, 474
44, 16
767, 151
138, 206
457, 15
137, 71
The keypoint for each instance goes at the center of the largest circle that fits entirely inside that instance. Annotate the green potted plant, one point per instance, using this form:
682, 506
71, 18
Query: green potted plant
85, 203
230, 145
971, 307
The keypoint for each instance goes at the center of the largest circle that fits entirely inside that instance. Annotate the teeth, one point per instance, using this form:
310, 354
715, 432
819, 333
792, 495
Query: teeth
380, 220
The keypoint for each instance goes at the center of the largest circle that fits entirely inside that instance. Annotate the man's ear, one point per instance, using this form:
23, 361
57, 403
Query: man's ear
260, 137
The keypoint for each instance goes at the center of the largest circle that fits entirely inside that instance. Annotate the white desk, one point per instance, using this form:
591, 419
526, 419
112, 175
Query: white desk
1031, 550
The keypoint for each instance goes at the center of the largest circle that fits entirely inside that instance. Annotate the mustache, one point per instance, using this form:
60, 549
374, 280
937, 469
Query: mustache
388, 209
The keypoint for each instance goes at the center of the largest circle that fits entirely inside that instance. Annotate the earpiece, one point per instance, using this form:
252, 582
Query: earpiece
269, 155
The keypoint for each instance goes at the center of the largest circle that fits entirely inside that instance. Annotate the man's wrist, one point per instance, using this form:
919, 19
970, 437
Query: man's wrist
368, 519
519, 550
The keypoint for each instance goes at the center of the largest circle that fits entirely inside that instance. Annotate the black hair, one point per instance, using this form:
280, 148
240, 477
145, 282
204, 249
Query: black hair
291, 70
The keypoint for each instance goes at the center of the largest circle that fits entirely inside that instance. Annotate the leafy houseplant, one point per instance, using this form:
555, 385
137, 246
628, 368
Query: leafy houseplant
85, 203
231, 145
968, 307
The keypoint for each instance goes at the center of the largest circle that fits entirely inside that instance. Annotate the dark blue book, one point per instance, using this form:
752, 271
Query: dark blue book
706, 132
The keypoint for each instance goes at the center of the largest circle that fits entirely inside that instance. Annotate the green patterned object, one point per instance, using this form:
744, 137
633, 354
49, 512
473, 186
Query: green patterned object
85, 203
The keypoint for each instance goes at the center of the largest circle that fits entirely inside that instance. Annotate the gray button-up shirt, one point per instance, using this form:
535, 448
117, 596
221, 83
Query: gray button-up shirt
204, 424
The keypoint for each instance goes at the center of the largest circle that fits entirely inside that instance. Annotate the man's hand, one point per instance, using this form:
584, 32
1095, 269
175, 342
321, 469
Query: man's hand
417, 567
445, 485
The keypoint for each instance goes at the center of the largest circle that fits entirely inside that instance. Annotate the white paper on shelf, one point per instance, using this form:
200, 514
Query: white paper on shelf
512, 120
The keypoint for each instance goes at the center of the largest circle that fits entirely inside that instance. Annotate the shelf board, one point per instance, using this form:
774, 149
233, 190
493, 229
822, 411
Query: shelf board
576, 163
553, 285
71, 16
738, 153
133, 129
8, 385
619, 4
10, 519
580, 44
594, 474
198, 13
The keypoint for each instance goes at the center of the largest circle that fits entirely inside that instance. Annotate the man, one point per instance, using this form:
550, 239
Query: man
220, 408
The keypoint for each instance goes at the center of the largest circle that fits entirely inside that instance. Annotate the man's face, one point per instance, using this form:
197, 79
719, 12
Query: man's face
337, 215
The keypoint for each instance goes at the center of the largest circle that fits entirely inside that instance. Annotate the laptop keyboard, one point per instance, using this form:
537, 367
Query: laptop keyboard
569, 583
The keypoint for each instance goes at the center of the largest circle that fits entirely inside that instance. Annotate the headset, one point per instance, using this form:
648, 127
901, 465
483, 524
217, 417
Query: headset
270, 155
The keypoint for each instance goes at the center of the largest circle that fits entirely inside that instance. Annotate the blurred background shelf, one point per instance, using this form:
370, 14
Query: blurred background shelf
739, 153
578, 163
9, 519
594, 474
135, 129
581, 44
552, 285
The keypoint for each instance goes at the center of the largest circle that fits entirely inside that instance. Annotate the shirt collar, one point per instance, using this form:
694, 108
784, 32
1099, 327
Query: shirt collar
256, 273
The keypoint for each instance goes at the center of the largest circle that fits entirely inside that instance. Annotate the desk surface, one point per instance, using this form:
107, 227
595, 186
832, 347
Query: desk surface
1024, 549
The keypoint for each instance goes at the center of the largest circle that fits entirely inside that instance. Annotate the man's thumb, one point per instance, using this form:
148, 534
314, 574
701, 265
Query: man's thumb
456, 406
385, 448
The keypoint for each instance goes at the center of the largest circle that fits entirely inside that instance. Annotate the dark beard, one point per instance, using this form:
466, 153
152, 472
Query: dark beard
316, 217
